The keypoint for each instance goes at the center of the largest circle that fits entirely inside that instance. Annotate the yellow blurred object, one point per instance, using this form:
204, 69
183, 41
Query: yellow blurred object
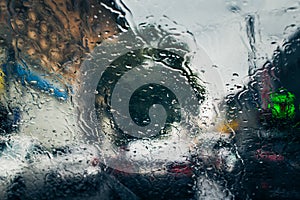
2, 86
228, 127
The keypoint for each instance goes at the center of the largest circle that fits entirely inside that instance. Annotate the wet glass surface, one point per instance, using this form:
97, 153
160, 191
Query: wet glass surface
141, 99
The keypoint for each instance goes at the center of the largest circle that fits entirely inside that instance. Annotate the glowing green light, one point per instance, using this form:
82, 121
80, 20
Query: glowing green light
282, 104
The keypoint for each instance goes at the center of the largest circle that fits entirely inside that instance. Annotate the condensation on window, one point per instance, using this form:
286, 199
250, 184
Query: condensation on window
132, 99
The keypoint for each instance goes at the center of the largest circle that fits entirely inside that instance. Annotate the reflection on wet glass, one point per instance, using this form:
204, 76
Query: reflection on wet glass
122, 100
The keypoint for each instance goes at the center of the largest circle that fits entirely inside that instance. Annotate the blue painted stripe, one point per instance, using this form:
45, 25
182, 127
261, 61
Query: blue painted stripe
35, 80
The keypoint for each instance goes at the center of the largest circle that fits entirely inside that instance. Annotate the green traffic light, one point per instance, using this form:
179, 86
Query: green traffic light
282, 104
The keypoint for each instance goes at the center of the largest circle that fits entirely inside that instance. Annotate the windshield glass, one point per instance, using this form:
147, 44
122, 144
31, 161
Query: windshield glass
110, 99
